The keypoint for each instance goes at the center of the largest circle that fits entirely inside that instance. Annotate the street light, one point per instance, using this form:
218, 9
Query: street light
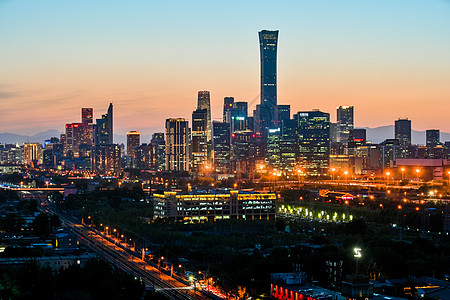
417, 173
357, 255
387, 177
403, 173
448, 177
332, 173
346, 173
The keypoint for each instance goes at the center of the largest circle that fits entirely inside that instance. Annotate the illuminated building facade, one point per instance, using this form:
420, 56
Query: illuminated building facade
433, 138
32, 154
313, 129
344, 123
214, 205
204, 102
267, 109
273, 140
87, 115
75, 134
133, 142
105, 159
103, 129
221, 147
288, 145
403, 131
247, 147
199, 139
284, 112
227, 104
177, 139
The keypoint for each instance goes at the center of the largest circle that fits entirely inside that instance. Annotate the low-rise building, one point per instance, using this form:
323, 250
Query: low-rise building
213, 205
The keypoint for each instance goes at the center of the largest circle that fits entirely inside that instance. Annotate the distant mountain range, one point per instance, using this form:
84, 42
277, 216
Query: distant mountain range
376, 135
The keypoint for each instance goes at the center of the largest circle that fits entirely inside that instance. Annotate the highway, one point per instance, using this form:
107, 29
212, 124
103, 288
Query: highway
130, 263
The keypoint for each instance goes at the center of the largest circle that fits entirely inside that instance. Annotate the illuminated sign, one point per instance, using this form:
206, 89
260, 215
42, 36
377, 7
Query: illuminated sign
240, 118
273, 130
357, 252
303, 114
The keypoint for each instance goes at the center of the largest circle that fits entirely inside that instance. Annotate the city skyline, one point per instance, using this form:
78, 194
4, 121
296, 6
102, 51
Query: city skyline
370, 56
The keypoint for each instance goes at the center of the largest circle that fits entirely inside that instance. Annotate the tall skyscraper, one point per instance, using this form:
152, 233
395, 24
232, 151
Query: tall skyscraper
221, 147
204, 102
158, 151
103, 129
105, 159
177, 154
87, 115
314, 141
433, 138
133, 141
32, 154
199, 142
268, 41
227, 104
403, 131
344, 123
74, 138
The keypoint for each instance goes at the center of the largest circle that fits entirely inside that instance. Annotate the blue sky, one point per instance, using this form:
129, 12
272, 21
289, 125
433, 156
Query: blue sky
389, 59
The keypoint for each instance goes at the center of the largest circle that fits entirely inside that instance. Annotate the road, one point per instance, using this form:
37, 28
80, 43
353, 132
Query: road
130, 263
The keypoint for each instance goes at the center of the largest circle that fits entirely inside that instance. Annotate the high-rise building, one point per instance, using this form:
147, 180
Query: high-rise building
221, 147
133, 141
284, 112
74, 138
273, 157
204, 102
403, 131
267, 115
87, 115
199, 139
344, 123
227, 104
158, 151
314, 141
177, 139
288, 145
103, 129
32, 154
433, 138
105, 159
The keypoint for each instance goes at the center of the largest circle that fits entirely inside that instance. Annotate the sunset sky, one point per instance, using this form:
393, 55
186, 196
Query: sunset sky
388, 58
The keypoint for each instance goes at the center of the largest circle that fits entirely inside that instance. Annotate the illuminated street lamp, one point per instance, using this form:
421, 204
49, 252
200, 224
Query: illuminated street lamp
417, 173
448, 177
357, 255
387, 177
332, 173
345, 173
403, 173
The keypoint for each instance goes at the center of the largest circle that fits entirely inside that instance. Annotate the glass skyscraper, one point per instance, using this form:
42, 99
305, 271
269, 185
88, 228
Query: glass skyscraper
268, 54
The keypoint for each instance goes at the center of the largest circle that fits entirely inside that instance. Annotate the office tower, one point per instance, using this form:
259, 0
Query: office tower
267, 115
103, 129
133, 141
357, 138
87, 115
313, 129
242, 106
433, 138
32, 154
284, 112
74, 138
105, 159
288, 145
403, 131
177, 139
390, 149
273, 158
144, 157
88, 123
236, 118
221, 147
247, 149
227, 104
199, 139
158, 151
344, 123
204, 102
